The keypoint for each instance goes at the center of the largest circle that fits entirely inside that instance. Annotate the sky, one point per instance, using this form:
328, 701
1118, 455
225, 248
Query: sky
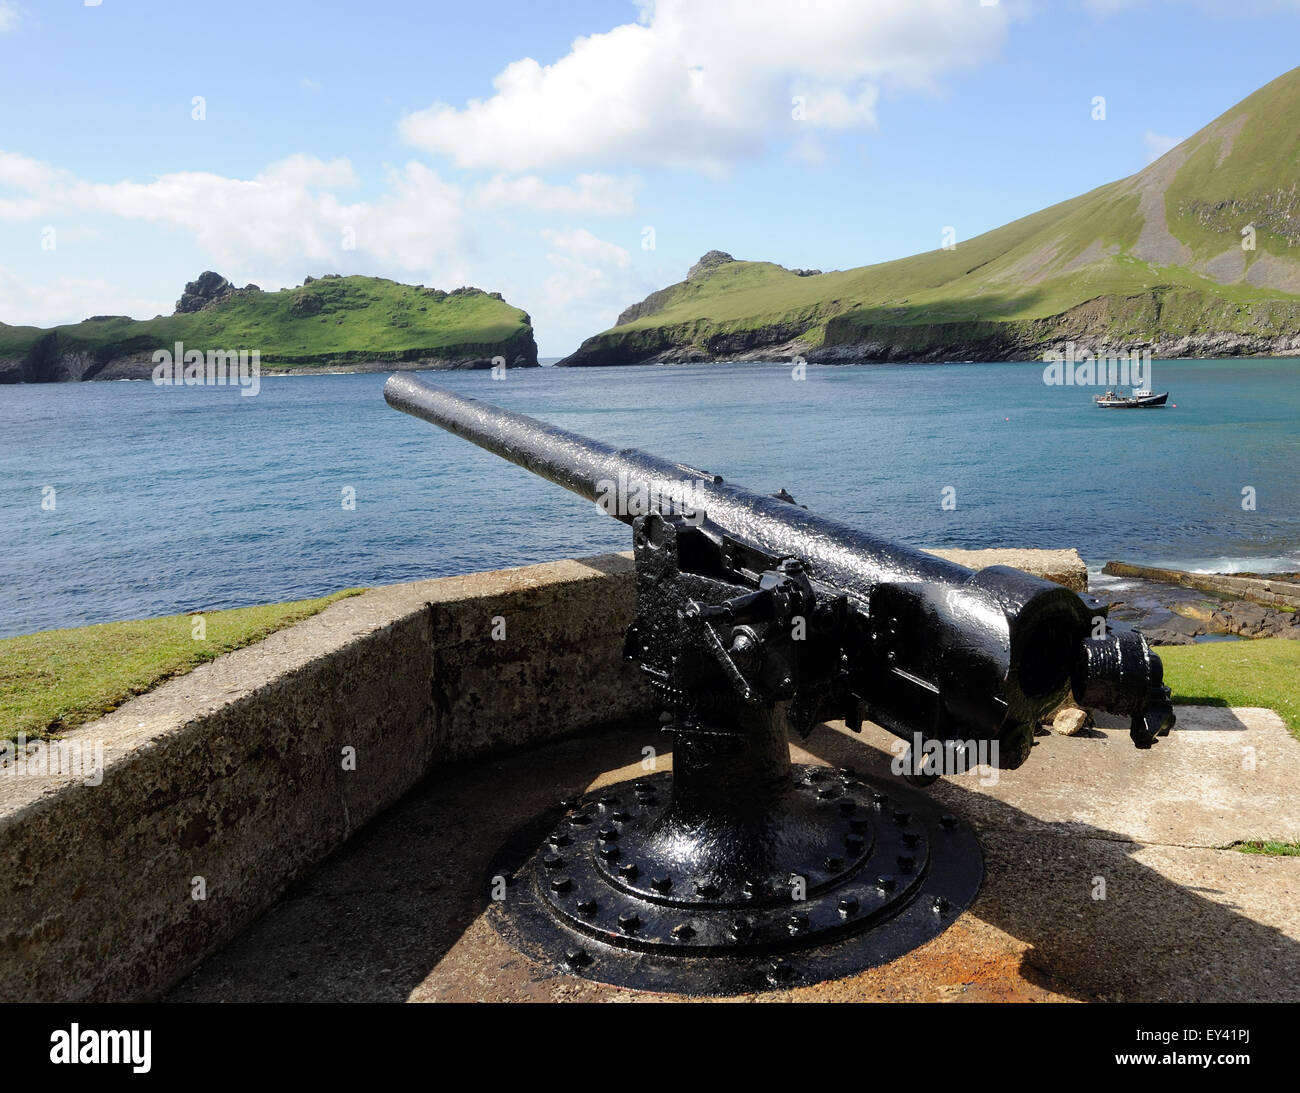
573, 156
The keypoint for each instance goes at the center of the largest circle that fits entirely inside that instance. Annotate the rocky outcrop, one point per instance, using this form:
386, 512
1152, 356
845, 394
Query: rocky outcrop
708, 261
1235, 617
306, 303
1173, 607
1252, 620
206, 290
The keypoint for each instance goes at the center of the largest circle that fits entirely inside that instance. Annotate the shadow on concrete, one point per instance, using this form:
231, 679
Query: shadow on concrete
370, 922
611, 565
373, 921
1152, 938
1228, 722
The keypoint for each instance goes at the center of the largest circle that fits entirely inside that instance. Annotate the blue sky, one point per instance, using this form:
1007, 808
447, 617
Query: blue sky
477, 143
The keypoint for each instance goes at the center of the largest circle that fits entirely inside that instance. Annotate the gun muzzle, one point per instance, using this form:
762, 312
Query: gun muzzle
1119, 673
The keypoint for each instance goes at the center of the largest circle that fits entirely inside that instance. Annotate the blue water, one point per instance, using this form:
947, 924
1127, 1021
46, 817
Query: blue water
179, 499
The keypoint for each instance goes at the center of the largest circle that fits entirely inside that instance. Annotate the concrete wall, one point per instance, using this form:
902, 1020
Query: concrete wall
237, 773
1062, 566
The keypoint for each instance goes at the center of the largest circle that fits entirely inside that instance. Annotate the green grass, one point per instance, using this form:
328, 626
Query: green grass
57, 679
1253, 182
1261, 672
1044, 264
1266, 846
360, 318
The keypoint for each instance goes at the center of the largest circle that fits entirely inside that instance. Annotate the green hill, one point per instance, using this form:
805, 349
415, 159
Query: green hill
330, 322
1155, 260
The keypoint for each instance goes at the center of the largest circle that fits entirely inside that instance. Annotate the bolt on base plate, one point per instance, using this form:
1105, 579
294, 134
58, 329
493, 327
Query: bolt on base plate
860, 872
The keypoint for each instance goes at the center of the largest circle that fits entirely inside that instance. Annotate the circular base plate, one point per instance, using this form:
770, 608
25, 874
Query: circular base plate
600, 899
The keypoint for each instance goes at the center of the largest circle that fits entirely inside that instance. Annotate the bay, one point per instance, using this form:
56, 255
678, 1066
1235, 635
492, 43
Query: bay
182, 499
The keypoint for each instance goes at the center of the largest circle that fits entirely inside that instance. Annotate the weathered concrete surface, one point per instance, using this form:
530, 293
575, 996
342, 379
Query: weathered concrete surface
398, 913
1062, 566
237, 773
1225, 774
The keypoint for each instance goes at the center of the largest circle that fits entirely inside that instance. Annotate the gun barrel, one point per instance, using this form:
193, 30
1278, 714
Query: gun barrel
982, 654
837, 553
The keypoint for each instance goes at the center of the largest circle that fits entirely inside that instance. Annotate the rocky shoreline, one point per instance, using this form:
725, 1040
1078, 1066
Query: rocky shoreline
47, 364
1106, 326
77, 367
1175, 608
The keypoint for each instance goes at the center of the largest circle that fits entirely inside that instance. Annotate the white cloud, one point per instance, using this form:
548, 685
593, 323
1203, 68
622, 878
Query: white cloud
308, 171
25, 173
589, 283
579, 245
50, 302
598, 195
293, 216
10, 15
1157, 144
286, 215
705, 83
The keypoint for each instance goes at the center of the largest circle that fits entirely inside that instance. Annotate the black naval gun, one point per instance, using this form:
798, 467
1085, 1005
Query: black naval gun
740, 871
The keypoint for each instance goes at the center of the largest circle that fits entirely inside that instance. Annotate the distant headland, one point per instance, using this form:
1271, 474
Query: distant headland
1197, 255
326, 324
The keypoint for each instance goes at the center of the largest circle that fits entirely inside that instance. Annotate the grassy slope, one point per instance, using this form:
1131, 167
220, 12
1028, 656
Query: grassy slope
361, 318
57, 679
1055, 259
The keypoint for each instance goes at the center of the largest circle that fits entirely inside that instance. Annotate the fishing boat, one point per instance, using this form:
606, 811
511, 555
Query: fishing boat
1138, 400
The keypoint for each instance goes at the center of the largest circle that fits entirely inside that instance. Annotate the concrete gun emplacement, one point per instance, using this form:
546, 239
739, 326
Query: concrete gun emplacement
754, 615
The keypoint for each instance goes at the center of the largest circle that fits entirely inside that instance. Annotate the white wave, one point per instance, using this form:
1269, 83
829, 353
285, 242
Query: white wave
1286, 563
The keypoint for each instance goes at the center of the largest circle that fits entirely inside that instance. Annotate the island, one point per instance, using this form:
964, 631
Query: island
326, 324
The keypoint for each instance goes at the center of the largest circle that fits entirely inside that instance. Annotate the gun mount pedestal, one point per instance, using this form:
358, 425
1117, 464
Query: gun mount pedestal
628, 890
738, 872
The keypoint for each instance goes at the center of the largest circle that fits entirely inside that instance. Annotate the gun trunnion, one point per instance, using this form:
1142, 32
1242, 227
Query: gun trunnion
754, 615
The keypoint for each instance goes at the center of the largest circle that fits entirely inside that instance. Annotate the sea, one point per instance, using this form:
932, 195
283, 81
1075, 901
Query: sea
124, 500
